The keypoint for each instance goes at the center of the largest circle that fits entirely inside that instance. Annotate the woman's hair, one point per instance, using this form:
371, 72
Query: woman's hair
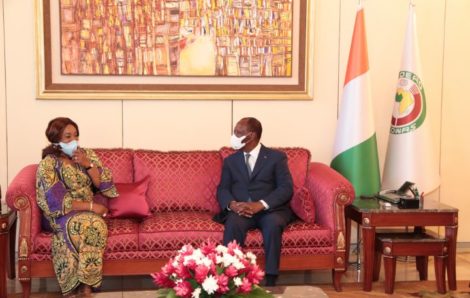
54, 131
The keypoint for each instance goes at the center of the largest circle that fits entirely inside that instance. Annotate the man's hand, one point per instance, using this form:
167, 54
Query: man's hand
253, 208
246, 209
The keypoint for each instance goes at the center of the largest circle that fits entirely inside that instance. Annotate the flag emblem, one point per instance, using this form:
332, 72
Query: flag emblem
409, 110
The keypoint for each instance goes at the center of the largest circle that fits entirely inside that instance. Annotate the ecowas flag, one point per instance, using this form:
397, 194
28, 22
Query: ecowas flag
355, 150
410, 152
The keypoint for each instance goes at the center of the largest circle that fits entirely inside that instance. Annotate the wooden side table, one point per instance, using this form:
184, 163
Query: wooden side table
7, 248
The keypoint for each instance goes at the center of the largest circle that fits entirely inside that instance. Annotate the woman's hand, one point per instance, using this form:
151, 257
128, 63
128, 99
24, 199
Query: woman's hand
79, 157
100, 209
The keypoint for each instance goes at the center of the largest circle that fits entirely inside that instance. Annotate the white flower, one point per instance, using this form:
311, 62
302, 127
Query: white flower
252, 257
228, 259
196, 293
206, 262
221, 249
218, 259
238, 253
210, 285
237, 281
237, 264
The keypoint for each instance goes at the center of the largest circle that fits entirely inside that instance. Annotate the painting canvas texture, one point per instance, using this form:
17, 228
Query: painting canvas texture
238, 38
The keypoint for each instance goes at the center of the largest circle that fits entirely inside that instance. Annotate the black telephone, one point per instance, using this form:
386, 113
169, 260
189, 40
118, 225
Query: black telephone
407, 196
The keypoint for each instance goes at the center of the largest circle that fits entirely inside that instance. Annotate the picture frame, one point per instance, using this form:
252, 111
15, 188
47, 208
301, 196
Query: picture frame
53, 81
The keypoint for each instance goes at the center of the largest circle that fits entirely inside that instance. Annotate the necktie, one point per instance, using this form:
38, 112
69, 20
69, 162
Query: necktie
247, 162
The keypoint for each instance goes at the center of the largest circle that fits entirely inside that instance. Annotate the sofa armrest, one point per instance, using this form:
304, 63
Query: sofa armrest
331, 193
21, 196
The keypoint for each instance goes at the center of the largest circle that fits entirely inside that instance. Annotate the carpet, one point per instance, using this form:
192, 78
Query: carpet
424, 289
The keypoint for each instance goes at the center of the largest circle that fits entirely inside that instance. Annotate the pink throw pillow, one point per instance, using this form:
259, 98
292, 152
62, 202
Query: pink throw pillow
132, 201
303, 206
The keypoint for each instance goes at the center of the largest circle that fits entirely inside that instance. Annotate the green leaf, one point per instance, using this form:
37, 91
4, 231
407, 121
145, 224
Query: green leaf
166, 293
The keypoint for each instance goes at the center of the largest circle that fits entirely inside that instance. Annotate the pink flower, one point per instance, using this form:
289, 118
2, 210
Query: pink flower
232, 246
231, 271
208, 248
201, 273
191, 264
186, 250
245, 286
182, 271
255, 275
162, 280
183, 289
222, 282
168, 269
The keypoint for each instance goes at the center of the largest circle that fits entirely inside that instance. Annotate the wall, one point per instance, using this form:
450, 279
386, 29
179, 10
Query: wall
3, 129
443, 31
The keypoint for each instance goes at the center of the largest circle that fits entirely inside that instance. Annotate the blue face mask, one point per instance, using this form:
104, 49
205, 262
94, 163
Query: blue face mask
69, 148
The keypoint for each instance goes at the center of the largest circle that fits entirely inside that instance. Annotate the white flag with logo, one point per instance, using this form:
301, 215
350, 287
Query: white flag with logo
411, 150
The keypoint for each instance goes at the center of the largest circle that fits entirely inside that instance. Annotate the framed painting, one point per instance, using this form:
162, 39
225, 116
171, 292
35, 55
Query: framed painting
175, 49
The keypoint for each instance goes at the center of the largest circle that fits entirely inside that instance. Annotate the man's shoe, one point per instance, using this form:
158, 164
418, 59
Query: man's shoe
271, 280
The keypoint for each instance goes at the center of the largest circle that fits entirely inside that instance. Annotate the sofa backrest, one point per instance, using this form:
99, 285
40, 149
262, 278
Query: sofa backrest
179, 180
185, 180
120, 161
298, 160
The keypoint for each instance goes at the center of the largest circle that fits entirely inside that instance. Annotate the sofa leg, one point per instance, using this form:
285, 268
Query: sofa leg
26, 286
337, 274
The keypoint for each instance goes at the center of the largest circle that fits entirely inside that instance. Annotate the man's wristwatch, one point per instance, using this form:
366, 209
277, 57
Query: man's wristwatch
90, 166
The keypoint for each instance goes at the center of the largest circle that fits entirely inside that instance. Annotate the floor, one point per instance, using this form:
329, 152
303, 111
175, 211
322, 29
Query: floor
124, 286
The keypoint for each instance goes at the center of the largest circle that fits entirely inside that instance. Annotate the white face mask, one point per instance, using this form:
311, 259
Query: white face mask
236, 142
69, 148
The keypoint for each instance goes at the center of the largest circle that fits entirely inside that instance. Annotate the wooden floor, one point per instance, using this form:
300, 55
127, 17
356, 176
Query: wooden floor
407, 285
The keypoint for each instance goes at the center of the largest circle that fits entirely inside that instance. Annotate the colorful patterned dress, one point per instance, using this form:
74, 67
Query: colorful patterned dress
79, 237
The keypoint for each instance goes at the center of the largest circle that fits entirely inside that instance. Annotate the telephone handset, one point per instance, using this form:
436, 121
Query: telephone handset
403, 193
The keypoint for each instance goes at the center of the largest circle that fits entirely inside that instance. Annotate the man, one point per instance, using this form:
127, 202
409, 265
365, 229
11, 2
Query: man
254, 193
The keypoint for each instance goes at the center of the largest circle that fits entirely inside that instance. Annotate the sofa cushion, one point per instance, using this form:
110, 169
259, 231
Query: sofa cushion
132, 200
180, 181
297, 235
172, 230
298, 160
120, 162
122, 236
303, 205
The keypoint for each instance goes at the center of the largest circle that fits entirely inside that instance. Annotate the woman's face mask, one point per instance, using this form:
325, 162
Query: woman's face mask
236, 142
69, 148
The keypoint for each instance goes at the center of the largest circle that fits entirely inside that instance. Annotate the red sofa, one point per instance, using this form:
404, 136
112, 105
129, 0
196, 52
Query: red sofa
182, 198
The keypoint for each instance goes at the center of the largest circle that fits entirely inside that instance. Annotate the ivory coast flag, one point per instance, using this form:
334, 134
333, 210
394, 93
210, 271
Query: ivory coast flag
355, 150
410, 152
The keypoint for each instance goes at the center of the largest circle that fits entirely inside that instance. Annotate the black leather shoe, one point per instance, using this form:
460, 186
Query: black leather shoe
271, 280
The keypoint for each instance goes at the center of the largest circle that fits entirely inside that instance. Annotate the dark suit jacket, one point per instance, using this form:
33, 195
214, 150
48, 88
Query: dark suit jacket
270, 181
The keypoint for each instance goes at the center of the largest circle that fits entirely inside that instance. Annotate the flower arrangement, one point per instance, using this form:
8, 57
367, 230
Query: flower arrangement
211, 271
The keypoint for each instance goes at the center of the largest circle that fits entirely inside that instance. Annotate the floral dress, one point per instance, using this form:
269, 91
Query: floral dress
79, 237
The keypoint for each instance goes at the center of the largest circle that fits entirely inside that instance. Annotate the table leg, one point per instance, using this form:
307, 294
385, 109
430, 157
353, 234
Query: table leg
348, 239
368, 237
451, 236
11, 250
3, 258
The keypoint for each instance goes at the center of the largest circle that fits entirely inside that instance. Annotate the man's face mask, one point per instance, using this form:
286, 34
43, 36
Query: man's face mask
236, 142
69, 148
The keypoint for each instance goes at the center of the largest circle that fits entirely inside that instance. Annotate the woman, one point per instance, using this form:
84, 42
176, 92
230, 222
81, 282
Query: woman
66, 179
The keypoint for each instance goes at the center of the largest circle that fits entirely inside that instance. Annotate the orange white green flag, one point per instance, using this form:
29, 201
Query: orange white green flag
355, 151
411, 152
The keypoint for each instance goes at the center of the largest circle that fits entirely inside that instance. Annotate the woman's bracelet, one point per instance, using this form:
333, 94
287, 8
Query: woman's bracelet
91, 206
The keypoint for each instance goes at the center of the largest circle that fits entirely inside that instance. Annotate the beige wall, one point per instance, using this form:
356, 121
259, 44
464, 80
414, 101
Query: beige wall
443, 31
3, 132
